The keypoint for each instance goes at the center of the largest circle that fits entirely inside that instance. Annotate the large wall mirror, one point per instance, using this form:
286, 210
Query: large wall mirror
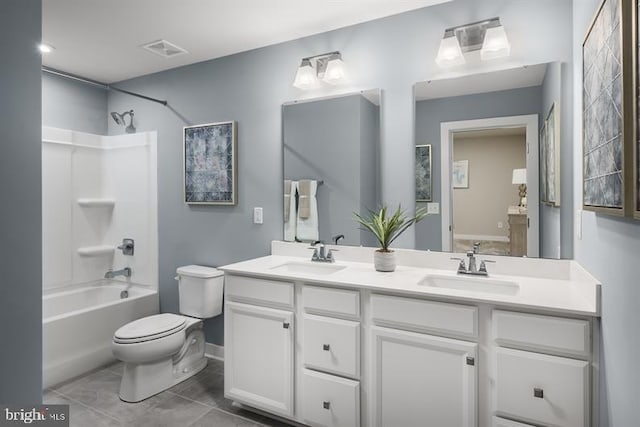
331, 166
487, 161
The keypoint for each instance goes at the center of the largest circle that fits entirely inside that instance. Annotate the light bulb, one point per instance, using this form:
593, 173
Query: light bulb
496, 44
450, 53
305, 76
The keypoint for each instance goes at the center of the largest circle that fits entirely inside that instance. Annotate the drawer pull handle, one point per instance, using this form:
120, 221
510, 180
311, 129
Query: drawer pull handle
285, 325
538, 392
326, 347
326, 405
471, 361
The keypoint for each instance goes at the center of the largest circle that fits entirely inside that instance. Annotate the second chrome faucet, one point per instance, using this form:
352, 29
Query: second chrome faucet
320, 252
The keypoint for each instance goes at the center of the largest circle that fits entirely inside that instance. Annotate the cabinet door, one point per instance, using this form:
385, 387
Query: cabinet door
422, 380
259, 357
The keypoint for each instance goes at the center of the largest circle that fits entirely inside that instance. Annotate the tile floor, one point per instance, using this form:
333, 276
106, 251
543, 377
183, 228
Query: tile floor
197, 402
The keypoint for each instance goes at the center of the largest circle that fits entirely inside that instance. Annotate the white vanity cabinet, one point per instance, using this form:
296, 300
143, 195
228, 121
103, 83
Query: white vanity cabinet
259, 344
334, 355
542, 368
330, 342
419, 379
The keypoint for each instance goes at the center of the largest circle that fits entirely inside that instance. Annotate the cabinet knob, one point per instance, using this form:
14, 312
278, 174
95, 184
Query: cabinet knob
285, 325
326, 405
538, 392
326, 347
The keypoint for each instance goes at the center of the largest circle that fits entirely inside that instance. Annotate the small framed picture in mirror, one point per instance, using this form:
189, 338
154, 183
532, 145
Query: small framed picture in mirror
460, 174
423, 173
210, 164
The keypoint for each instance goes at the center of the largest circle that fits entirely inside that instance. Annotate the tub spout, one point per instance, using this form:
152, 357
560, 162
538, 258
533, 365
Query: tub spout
126, 272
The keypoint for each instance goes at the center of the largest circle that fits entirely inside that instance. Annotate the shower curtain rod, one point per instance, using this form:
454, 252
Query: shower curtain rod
99, 84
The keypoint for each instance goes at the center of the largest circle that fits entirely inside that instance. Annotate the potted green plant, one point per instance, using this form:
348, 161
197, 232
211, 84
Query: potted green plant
387, 228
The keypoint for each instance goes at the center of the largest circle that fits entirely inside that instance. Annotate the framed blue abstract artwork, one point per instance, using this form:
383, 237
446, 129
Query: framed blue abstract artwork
210, 164
423, 173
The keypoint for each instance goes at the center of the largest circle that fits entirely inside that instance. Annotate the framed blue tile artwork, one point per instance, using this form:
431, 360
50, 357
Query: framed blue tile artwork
210, 164
602, 112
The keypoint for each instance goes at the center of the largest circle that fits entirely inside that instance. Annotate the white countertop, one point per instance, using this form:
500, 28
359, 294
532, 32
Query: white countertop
575, 293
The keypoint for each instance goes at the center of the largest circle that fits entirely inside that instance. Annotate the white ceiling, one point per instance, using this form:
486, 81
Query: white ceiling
101, 39
513, 78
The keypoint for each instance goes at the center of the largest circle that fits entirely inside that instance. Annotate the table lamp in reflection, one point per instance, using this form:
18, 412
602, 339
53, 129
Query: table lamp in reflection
520, 178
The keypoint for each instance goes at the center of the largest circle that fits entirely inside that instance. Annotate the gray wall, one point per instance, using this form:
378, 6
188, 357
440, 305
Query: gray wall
20, 215
429, 115
550, 224
369, 150
70, 105
323, 140
609, 248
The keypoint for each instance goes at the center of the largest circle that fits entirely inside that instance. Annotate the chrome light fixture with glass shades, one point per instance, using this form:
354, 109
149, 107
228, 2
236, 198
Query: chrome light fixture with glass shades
327, 67
488, 36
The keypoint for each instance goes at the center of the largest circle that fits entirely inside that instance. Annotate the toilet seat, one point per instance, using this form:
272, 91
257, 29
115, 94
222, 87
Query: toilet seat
150, 328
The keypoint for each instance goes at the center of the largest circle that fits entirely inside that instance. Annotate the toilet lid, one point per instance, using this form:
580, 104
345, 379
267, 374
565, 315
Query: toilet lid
151, 326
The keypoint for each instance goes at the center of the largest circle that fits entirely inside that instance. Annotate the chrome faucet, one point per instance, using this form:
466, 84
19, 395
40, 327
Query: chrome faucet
472, 268
126, 272
319, 254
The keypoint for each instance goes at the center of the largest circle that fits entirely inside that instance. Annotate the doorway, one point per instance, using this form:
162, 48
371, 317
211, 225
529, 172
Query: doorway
479, 200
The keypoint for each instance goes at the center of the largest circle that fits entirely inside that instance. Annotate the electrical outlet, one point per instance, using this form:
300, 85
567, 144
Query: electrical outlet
500, 225
433, 208
257, 215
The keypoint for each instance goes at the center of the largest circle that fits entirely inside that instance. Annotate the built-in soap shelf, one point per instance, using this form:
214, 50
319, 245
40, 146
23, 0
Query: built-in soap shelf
95, 251
96, 202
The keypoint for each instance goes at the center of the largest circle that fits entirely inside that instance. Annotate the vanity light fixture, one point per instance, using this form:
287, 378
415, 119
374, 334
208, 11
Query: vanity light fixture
488, 36
327, 67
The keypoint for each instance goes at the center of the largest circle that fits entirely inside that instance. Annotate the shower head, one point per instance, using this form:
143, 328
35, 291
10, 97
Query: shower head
119, 119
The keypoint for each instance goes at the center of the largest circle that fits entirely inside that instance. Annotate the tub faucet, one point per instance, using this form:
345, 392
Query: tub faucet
126, 272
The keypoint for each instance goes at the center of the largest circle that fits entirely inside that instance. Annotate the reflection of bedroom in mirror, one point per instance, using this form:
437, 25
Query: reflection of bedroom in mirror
484, 132
330, 166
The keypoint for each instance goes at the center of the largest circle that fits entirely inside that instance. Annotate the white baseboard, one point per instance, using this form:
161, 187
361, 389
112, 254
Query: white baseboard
214, 351
481, 237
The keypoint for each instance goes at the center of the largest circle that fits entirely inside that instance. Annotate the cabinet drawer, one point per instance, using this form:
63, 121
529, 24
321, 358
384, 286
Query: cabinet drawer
542, 389
259, 291
331, 301
546, 333
428, 316
330, 401
503, 422
331, 345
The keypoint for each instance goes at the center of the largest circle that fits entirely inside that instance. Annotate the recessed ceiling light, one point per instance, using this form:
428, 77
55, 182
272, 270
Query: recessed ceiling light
45, 48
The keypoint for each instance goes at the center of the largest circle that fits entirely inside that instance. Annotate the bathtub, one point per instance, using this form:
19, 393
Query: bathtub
78, 323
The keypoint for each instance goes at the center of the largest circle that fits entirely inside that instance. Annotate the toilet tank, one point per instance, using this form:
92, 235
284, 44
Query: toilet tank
200, 290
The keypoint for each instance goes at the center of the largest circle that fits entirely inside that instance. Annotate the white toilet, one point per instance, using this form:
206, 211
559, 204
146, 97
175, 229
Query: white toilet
162, 350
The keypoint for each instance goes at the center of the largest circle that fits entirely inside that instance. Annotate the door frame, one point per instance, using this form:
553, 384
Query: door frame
447, 129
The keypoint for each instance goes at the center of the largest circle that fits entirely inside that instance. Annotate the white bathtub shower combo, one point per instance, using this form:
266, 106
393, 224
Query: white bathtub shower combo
96, 191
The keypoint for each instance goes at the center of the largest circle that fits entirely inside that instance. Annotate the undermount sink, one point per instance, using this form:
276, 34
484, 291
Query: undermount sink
307, 268
472, 284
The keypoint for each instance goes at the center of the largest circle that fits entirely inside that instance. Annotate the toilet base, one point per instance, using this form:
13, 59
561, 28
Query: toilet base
143, 380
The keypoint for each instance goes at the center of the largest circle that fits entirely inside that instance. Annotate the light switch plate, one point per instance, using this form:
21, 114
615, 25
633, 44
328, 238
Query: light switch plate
433, 208
257, 215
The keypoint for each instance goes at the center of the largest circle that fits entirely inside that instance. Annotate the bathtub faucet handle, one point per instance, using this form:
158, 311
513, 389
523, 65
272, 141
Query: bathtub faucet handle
127, 246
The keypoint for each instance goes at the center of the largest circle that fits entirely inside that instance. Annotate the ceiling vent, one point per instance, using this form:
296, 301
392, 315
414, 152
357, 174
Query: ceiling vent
164, 48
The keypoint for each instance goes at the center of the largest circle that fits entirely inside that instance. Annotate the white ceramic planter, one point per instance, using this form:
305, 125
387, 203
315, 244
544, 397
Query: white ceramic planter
384, 261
